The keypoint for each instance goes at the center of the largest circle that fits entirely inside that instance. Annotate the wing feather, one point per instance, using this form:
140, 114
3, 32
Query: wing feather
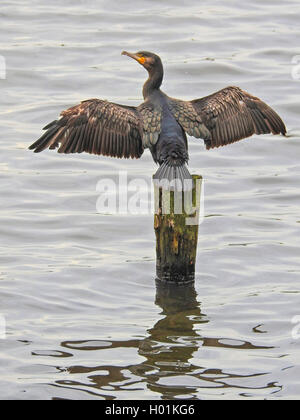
98, 127
226, 116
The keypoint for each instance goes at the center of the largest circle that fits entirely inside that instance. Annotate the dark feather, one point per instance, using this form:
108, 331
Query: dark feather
226, 116
97, 127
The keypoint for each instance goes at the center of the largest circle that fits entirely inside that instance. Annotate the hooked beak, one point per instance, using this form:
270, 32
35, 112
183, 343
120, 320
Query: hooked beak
131, 55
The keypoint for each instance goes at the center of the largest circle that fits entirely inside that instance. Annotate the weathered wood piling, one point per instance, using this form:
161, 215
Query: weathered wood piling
176, 223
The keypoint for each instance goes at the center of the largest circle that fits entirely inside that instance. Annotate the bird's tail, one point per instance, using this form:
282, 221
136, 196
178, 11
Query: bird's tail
173, 177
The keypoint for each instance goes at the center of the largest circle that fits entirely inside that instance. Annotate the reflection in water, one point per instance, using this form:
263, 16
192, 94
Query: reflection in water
174, 338
69, 274
168, 350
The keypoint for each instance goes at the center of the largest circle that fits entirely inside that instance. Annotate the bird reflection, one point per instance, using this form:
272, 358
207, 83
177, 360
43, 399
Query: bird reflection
167, 351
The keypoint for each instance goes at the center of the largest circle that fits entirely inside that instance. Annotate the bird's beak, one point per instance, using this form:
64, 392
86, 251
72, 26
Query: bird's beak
134, 56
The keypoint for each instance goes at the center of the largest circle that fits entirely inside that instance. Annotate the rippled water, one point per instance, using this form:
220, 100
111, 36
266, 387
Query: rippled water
84, 318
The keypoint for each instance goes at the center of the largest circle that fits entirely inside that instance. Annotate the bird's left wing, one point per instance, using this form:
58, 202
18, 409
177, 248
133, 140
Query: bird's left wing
226, 116
98, 127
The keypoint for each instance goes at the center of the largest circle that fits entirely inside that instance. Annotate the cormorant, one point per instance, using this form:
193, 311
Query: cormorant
160, 123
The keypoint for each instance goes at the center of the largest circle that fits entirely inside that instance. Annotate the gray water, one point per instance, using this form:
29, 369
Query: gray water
77, 288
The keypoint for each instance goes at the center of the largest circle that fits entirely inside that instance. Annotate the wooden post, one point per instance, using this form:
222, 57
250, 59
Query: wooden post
176, 222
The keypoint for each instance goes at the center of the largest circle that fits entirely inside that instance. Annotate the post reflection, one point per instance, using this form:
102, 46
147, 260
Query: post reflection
166, 350
174, 338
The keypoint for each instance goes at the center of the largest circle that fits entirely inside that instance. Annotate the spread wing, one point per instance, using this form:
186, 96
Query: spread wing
226, 116
98, 127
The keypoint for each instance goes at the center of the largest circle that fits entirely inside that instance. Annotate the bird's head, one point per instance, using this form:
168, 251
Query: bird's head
147, 59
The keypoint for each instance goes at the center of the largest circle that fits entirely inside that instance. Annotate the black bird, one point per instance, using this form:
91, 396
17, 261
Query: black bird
160, 123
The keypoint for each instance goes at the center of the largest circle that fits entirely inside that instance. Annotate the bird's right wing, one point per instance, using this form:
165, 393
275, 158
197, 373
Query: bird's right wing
226, 116
98, 127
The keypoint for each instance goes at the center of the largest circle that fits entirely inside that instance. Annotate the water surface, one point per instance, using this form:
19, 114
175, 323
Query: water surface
77, 288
